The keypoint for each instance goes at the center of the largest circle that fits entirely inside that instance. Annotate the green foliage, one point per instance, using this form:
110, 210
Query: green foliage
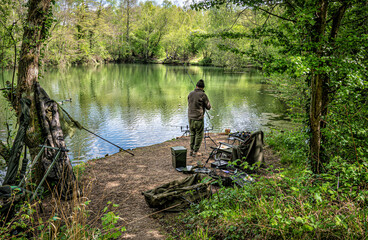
79, 170
11, 16
315, 60
206, 61
346, 122
287, 204
109, 220
292, 146
27, 223
292, 205
90, 31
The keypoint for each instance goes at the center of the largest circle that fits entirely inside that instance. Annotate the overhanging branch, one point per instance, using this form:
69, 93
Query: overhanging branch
272, 14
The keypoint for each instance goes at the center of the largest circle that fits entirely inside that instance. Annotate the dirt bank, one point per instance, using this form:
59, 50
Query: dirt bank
121, 178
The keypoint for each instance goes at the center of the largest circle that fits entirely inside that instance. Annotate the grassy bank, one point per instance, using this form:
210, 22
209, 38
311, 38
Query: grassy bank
286, 203
53, 218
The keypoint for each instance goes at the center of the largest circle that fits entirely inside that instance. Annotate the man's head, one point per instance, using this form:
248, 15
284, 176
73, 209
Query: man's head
200, 84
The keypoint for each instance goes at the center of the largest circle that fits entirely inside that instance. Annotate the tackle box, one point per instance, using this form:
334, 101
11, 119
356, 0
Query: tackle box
179, 156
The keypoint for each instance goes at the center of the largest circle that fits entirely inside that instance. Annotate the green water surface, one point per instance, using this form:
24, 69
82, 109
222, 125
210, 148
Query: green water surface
138, 105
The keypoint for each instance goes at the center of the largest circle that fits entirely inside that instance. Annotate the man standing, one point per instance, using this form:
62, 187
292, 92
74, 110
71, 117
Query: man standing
197, 104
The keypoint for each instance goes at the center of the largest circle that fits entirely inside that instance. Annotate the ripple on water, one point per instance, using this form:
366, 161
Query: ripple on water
143, 109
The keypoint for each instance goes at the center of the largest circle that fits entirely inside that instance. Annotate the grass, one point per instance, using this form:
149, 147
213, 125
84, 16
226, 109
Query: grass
52, 218
288, 204
285, 203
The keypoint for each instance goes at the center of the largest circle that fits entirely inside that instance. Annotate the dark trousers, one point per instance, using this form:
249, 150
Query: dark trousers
196, 128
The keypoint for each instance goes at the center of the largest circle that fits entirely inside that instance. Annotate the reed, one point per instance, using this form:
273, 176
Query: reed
54, 218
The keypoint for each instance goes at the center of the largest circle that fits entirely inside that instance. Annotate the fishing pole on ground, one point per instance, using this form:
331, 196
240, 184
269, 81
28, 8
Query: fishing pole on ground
81, 127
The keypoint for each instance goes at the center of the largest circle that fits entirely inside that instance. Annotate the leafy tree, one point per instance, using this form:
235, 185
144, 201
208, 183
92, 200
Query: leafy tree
151, 28
11, 15
175, 42
129, 10
34, 124
126, 21
222, 23
93, 31
314, 38
82, 32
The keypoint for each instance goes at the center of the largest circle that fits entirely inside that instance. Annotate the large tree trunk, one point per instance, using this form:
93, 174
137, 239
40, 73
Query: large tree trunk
44, 127
33, 36
316, 110
318, 80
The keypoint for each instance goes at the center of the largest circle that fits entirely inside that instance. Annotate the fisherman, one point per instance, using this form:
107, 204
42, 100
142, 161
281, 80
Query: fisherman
197, 104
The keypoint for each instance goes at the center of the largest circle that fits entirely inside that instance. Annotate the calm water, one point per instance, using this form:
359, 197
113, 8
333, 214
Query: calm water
139, 105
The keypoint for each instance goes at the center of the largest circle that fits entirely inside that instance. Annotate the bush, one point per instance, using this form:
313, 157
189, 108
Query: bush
61, 221
293, 204
292, 146
206, 61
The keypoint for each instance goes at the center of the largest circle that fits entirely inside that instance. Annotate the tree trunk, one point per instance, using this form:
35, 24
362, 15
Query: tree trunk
34, 33
127, 20
44, 127
318, 80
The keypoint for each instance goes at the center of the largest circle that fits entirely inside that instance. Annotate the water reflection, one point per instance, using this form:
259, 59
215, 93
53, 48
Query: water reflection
139, 105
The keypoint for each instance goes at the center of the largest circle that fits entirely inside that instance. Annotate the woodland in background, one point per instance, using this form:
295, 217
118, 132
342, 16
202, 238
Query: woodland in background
98, 31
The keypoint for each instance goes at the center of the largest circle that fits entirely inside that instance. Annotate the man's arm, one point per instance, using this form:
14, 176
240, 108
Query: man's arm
207, 103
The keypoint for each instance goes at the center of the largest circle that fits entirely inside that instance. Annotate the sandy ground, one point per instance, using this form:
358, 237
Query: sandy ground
121, 179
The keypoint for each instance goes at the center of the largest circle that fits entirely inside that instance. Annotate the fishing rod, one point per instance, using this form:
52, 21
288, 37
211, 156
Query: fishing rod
107, 141
189, 76
178, 126
195, 87
82, 127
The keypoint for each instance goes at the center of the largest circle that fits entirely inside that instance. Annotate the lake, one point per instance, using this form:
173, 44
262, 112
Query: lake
135, 105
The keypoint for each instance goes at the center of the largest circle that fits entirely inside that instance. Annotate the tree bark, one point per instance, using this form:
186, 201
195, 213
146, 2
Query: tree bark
318, 79
128, 7
34, 32
320, 82
62, 173
44, 127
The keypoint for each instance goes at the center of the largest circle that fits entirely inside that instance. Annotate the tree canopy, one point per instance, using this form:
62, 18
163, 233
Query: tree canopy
320, 48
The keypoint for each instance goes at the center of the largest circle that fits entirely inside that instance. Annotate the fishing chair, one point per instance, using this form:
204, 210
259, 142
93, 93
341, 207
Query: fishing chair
249, 149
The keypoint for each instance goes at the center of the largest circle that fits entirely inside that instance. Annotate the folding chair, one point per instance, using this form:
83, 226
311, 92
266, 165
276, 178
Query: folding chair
249, 149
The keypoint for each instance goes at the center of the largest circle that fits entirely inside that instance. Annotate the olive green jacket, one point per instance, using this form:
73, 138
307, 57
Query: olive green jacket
197, 104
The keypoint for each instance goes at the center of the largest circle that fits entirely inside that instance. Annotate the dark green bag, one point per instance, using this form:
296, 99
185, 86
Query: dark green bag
178, 194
